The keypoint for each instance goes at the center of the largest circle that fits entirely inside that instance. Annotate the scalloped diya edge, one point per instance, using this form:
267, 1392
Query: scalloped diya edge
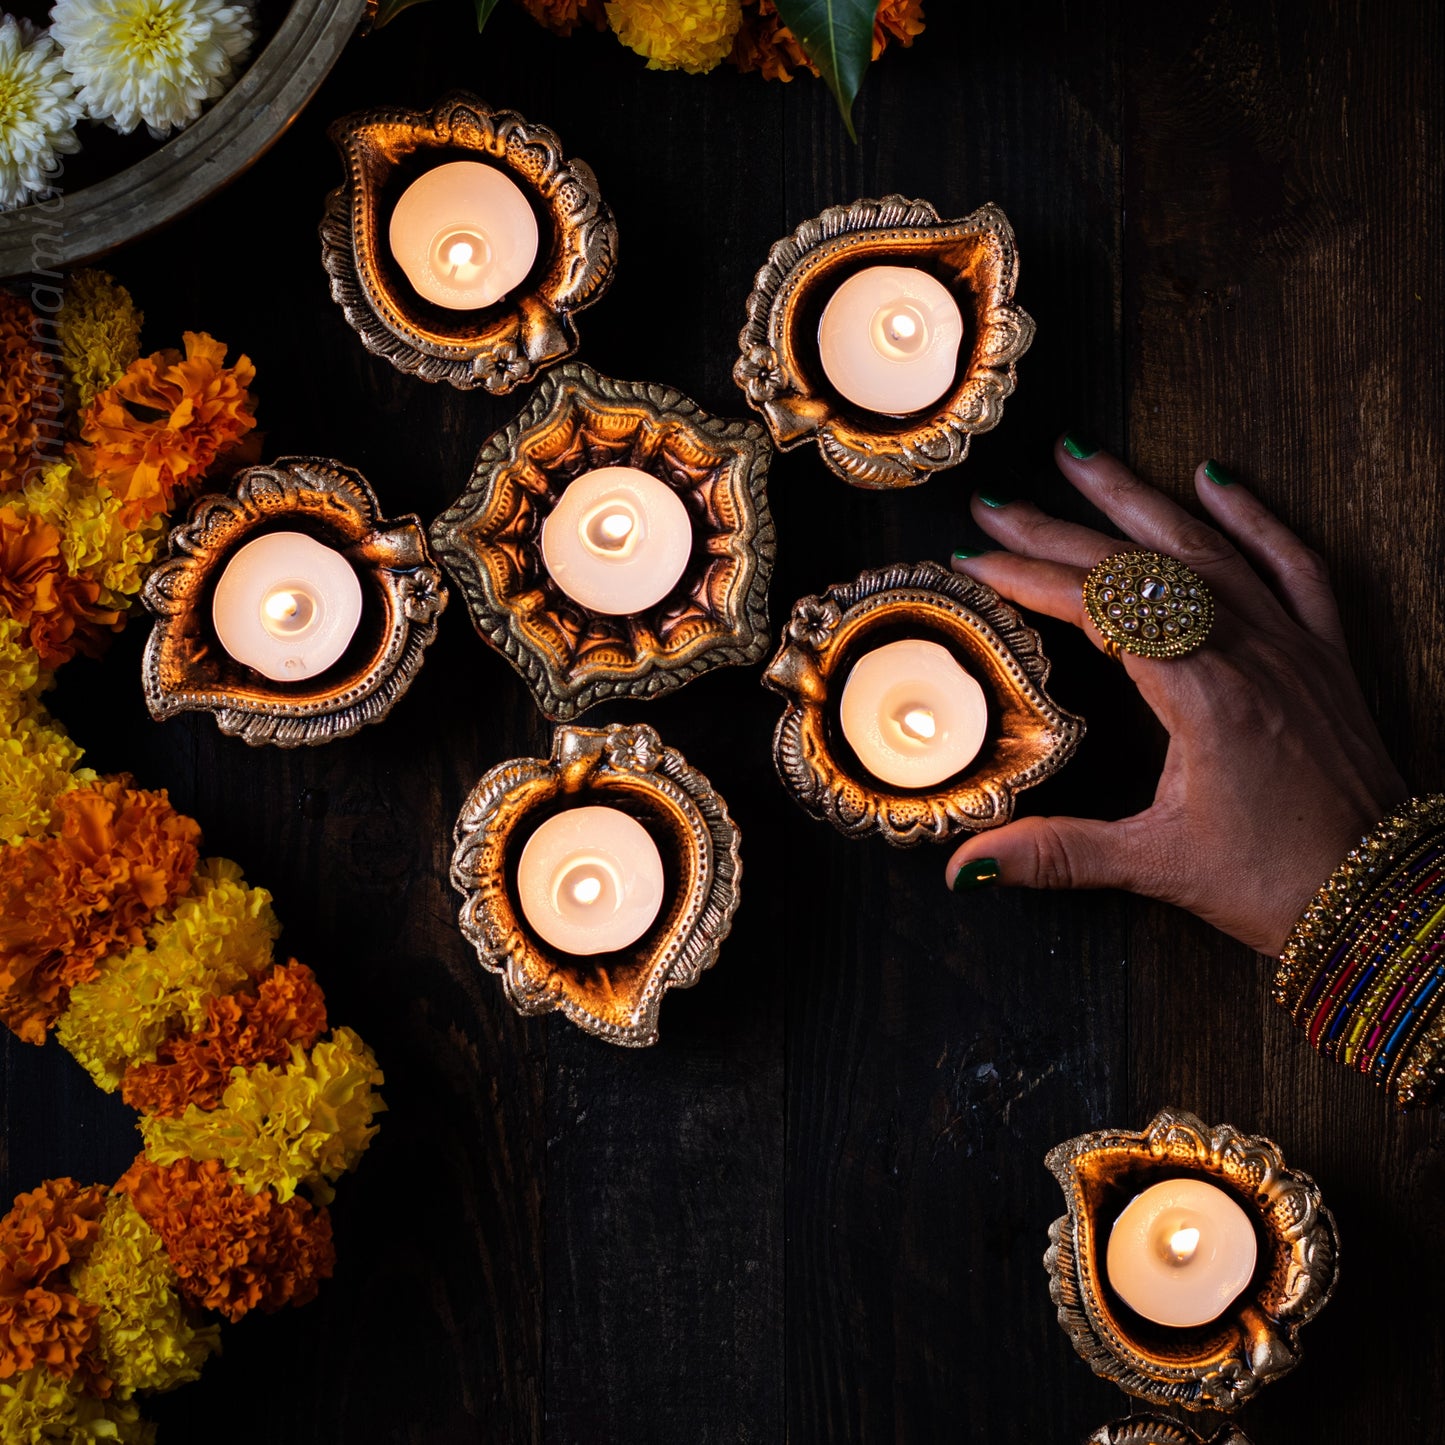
1155, 1430
186, 669
490, 541
780, 370
616, 996
1220, 1365
500, 346
1029, 736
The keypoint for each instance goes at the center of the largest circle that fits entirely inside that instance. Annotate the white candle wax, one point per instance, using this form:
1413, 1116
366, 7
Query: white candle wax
912, 714
617, 541
1181, 1252
590, 880
287, 606
889, 339
464, 234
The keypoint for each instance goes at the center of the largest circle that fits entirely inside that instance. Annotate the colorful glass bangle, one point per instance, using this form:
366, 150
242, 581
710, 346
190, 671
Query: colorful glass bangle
1363, 972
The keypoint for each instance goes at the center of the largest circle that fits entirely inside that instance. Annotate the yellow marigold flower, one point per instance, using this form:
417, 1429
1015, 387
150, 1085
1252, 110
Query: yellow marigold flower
19, 662
690, 35
305, 1123
37, 764
99, 330
94, 539
38, 1408
47, 492
218, 936
146, 1334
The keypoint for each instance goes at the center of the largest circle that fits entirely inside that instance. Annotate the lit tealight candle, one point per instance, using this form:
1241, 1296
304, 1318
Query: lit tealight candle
889, 339
617, 541
590, 880
464, 234
287, 605
912, 714
1181, 1252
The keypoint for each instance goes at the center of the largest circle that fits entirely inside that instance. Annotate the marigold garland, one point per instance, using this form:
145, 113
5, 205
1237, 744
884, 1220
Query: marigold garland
241, 1030
38, 1408
165, 422
19, 358
233, 1251
217, 938
305, 1123
41, 1320
99, 331
153, 966
145, 1335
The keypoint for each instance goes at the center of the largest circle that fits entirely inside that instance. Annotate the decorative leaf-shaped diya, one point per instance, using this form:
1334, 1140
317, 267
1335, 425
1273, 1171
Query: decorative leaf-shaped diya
1026, 736
501, 340
614, 994
571, 657
1221, 1364
186, 666
1153, 1430
782, 363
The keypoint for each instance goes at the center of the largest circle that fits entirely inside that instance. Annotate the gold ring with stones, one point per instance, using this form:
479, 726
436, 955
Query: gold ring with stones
1148, 604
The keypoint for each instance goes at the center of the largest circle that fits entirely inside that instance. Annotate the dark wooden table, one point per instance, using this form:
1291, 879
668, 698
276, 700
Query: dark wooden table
816, 1210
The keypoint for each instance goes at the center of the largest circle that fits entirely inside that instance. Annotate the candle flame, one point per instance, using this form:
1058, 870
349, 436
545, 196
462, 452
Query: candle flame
919, 723
1183, 1243
282, 606
903, 327
460, 253
610, 531
587, 890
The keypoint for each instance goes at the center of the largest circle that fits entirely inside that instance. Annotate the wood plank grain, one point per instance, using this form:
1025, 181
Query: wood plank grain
1285, 198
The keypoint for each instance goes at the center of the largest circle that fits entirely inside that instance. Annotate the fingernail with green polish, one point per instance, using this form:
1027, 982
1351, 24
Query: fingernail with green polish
1080, 447
962, 554
1219, 475
996, 498
975, 874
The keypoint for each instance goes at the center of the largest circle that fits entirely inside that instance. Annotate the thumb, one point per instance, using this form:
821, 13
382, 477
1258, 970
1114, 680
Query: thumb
1045, 853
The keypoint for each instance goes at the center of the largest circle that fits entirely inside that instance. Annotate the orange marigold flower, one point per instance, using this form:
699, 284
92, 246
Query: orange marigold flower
61, 612
18, 353
233, 1251
900, 20
41, 1321
764, 43
241, 1029
562, 17
160, 428
117, 856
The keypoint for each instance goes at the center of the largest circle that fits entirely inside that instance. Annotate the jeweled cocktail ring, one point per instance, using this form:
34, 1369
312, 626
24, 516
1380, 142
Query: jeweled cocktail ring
1148, 604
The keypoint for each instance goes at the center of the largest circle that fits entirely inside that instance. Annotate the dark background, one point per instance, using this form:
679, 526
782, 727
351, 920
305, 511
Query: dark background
816, 1209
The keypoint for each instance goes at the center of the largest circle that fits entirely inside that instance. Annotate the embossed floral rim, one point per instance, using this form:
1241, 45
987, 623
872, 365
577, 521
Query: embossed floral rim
490, 541
506, 344
186, 669
1154, 1430
616, 996
778, 366
1030, 736
1217, 1366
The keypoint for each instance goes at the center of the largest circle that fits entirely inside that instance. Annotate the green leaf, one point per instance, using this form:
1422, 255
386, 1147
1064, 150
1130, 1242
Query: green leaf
838, 38
484, 12
388, 10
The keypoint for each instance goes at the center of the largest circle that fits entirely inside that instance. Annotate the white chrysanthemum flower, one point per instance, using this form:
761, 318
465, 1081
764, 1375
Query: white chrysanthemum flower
38, 111
151, 62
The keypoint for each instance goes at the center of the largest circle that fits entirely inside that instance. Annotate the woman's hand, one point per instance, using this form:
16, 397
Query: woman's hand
1275, 768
